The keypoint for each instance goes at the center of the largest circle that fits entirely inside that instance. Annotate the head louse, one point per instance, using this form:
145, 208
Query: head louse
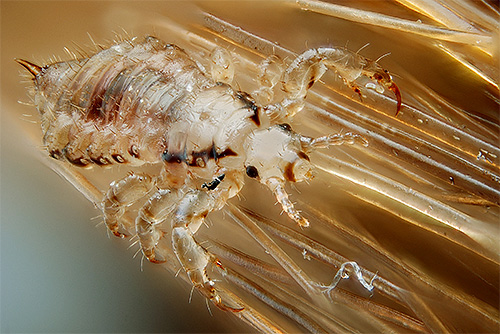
148, 102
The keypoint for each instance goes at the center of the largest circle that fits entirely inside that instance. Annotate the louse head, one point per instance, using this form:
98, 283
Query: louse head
277, 154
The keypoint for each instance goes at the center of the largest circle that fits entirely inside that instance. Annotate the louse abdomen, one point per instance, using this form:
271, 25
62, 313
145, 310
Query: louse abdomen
115, 106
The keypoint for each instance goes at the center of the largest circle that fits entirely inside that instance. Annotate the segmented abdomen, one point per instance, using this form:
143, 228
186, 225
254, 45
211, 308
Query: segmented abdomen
115, 106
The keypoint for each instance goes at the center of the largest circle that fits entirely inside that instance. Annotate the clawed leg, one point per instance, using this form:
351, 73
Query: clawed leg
310, 66
149, 220
184, 211
195, 260
190, 213
122, 194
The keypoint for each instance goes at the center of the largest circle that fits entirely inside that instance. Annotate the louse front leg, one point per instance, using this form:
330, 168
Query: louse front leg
120, 195
189, 215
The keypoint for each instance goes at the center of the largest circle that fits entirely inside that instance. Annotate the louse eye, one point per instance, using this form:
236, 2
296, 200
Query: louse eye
252, 172
285, 127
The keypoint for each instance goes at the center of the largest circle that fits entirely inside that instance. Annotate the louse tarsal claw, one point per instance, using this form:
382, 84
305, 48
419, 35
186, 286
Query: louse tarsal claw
32, 68
208, 290
396, 91
218, 302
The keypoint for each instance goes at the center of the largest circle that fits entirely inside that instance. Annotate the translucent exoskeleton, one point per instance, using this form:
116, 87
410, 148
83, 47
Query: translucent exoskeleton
147, 102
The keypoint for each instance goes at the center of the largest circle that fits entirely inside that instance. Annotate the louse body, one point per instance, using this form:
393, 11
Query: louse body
148, 102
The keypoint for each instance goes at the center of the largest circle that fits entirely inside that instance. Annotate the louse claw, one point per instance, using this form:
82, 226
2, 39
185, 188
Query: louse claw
396, 91
208, 290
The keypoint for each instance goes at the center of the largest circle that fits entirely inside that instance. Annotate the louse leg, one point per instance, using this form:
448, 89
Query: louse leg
270, 72
149, 219
189, 215
309, 144
221, 66
122, 194
310, 66
186, 210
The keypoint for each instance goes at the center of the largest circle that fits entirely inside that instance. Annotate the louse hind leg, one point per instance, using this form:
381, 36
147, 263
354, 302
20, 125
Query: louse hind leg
120, 195
189, 215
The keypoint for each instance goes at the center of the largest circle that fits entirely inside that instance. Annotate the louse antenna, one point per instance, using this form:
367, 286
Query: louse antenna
277, 188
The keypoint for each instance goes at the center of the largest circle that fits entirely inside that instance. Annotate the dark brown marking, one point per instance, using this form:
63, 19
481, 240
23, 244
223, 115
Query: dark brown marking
250, 104
80, 162
289, 175
255, 118
134, 151
310, 83
118, 158
302, 155
285, 127
226, 153
94, 110
196, 157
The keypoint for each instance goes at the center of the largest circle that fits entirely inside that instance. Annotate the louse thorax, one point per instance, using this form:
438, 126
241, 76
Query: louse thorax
206, 138
276, 155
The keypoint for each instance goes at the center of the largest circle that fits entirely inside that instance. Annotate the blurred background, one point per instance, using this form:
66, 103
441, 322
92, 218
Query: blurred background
61, 273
